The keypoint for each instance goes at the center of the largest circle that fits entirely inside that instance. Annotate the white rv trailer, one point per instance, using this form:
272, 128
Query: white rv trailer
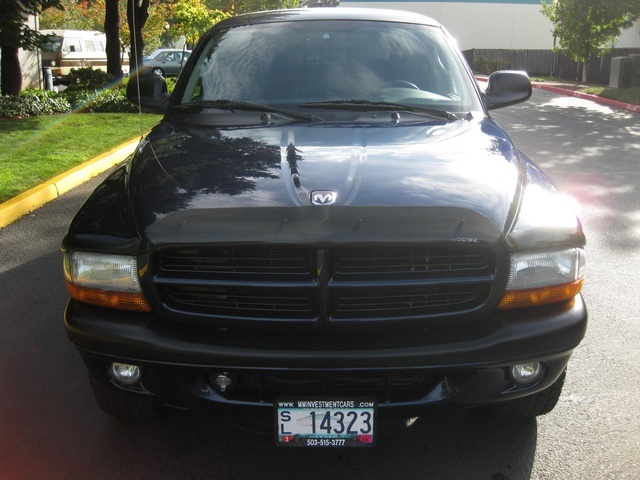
69, 49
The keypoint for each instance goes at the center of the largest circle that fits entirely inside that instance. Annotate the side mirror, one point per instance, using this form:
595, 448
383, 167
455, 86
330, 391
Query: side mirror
152, 92
506, 87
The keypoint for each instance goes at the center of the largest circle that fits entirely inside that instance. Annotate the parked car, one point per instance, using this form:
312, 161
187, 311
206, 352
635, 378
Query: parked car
326, 224
165, 62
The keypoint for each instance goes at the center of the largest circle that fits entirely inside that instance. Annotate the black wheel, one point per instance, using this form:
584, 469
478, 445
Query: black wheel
126, 408
158, 71
539, 403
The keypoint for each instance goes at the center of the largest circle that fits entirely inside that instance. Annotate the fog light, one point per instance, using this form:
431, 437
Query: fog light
526, 373
125, 374
222, 381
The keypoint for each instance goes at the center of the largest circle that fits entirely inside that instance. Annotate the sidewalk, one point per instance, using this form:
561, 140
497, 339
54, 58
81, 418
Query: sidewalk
573, 91
31, 200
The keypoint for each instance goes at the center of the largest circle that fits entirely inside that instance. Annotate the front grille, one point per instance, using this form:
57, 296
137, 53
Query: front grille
385, 388
285, 283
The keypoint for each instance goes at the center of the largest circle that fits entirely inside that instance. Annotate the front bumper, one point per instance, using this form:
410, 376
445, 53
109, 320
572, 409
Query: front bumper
405, 371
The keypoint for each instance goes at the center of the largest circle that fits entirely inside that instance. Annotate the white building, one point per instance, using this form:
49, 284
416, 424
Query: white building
30, 61
491, 24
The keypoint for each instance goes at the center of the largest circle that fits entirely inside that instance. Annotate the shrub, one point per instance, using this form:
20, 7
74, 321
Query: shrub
89, 91
487, 66
31, 103
104, 101
171, 83
95, 91
88, 79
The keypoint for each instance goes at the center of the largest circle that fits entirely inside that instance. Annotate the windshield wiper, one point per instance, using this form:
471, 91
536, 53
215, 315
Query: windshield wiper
367, 105
233, 105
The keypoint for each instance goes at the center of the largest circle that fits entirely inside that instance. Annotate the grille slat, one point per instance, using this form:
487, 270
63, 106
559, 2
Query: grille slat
399, 299
287, 283
407, 261
242, 301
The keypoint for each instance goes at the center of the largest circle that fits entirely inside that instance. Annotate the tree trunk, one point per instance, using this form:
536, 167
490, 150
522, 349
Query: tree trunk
585, 70
137, 15
112, 31
11, 78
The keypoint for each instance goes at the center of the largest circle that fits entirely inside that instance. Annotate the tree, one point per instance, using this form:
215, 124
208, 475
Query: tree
109, 16
112, 32
243, 6
319, 3
16, 34
588, 28
156, 31
101, 15
137, 16
75, 15
158, 14
192, 18
146, 24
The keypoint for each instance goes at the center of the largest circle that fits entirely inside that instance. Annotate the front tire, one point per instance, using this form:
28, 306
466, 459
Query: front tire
126, 408
534, 405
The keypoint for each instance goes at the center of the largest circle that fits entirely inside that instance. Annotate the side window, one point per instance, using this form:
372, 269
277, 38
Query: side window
71, 45
89, 46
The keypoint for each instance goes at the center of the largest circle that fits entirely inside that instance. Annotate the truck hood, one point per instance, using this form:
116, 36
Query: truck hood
179, 172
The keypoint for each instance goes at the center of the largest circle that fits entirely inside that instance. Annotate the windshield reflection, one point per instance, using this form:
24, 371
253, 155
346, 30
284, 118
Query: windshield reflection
293, 63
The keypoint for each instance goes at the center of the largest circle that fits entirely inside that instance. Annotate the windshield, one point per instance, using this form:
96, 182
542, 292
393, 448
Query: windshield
303, 62
53, 44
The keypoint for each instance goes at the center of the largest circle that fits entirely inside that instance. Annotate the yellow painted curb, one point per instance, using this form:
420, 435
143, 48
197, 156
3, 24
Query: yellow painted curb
26, 202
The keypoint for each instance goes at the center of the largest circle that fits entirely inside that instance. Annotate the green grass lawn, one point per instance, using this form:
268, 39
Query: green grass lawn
36, 149
626, 95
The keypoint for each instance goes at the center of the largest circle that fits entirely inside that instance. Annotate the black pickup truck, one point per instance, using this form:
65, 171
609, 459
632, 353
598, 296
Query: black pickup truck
326, 224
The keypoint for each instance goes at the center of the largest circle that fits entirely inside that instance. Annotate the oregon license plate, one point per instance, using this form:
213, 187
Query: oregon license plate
325, 423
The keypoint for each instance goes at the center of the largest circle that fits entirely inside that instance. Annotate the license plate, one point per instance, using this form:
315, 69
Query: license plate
325, 423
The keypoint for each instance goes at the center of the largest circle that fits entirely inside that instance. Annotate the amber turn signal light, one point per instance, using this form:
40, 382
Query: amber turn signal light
134, 302
535, 297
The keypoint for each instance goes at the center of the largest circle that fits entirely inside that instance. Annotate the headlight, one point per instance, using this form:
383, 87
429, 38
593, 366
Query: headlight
105, 280
544, 277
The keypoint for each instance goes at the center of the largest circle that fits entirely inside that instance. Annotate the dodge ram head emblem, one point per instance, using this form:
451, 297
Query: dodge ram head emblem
323, 197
